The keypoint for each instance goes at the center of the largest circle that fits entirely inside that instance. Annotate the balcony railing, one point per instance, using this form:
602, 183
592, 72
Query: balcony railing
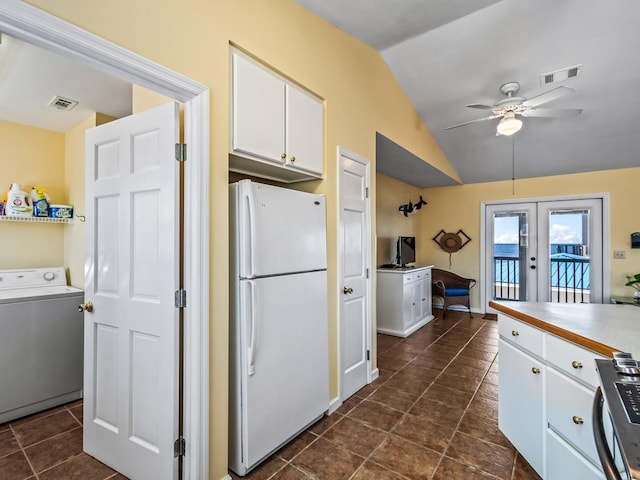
569, 278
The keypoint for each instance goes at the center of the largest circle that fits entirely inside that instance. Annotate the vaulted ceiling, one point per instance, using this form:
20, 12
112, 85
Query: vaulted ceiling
450, 53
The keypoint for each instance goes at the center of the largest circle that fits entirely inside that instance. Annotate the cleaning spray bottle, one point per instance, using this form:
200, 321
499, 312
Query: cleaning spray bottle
17, 202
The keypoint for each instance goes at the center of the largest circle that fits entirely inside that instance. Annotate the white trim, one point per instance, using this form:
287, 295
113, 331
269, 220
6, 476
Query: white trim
343, 152
606, 235
32, 25
334, 404
375, 373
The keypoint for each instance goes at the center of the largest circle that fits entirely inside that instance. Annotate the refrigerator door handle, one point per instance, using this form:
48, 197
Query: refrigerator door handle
251, 231
252, 340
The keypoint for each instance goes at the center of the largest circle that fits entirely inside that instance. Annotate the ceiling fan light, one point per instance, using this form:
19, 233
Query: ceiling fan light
509, 124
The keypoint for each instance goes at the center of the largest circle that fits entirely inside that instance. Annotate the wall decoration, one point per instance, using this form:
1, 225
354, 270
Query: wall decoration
451, 242
409, 208
635, 240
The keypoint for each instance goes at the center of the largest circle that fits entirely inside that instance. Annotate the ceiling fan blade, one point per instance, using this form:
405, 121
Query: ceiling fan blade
552, 112
481, 106
548, 96
473, 121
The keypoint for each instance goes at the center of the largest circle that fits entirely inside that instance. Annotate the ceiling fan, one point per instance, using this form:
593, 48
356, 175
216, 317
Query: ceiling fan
509, 108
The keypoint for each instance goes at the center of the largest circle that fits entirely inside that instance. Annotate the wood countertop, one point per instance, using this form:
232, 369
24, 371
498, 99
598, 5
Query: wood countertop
602, 328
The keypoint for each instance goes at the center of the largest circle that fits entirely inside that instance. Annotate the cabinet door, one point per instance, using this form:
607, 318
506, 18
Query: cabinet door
426, 295
563, 462
416, 293
520, 403
304, 131
407, 305
258, 111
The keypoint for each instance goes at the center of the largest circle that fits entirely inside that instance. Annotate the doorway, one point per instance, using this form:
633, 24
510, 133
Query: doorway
355, 273
547, 250
32, 25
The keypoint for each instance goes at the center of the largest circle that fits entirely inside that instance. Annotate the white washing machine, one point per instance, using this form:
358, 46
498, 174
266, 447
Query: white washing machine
41, 341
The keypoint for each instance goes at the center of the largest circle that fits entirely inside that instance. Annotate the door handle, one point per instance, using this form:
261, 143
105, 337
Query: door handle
347, 290
85, 307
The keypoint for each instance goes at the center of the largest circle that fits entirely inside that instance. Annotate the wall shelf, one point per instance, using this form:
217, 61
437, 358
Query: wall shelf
35, 219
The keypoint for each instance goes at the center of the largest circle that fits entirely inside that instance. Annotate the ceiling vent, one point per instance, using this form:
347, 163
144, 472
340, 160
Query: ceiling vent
62, 103
560, 75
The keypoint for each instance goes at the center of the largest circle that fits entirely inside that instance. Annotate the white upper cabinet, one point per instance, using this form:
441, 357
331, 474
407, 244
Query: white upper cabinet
277, 128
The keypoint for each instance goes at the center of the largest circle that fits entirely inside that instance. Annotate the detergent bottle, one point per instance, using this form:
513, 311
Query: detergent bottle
17, 202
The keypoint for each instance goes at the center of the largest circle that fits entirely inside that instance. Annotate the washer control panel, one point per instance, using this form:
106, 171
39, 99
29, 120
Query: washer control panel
32, 278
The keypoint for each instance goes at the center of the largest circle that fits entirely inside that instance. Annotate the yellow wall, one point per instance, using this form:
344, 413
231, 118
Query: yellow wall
458, 207
361, 95
391, 223
32, 157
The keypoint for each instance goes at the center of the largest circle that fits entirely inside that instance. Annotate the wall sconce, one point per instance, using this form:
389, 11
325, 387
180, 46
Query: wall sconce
409, 208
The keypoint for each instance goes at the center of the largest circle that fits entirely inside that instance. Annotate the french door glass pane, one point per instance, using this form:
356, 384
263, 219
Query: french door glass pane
569, 256
510, 250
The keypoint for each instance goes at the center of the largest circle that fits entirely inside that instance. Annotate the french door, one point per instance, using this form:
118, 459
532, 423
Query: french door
547, 251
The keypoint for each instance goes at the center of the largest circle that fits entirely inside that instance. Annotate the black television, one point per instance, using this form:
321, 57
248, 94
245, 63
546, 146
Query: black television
406, 251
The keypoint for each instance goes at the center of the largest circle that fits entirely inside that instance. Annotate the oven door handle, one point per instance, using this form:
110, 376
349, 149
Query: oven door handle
608, 464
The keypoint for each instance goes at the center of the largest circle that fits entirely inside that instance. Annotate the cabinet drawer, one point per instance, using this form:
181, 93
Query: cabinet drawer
519, 333
408, 278
572, 359
563, 462
569, 407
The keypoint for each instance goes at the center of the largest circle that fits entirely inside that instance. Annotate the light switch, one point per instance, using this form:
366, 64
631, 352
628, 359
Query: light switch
619, 254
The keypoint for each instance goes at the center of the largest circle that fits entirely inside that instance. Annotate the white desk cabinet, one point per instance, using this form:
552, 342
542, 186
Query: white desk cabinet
403, 300
277, 128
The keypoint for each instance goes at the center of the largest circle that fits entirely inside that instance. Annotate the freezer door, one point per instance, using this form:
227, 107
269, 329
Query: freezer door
280, 230
286, 372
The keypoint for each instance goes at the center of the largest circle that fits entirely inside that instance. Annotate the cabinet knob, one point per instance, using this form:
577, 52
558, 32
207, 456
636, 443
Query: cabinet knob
283, 156
576, 365
293, 159
578, 420
535, 370
515, 333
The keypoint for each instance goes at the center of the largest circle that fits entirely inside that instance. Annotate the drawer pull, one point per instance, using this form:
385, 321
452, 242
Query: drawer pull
578, 420
576, 365
515, 333
535, 370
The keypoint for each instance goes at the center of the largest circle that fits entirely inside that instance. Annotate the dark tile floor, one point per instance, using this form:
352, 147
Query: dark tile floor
431, 415
48, 446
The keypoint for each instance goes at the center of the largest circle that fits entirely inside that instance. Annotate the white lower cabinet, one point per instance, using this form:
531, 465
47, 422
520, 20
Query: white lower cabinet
520, 402
403, 300
548, 419
565, 463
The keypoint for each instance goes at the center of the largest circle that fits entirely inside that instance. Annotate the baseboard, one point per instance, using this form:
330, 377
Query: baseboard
334, 405
226, 477
375, 374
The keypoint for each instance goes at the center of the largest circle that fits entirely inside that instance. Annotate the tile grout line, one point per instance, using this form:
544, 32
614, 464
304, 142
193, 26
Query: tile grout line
35, 475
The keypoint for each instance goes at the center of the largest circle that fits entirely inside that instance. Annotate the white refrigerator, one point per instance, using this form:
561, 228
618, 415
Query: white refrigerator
279, 372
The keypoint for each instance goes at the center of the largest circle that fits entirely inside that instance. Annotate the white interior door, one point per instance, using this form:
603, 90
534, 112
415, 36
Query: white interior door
355, 316
131, 272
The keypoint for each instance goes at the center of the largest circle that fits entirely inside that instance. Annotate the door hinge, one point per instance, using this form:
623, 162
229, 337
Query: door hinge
181, 152
368, 355
181, 298
366, 192
367, 273
179, 447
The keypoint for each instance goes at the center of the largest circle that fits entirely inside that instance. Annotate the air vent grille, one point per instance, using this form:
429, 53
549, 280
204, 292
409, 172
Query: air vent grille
62, 103
560, 75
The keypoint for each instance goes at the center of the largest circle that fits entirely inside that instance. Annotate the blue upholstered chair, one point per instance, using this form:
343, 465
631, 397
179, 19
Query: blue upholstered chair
452, 288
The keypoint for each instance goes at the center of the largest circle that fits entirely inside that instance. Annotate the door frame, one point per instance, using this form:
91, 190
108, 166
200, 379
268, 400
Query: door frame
606, 234
371, 375
30, 24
